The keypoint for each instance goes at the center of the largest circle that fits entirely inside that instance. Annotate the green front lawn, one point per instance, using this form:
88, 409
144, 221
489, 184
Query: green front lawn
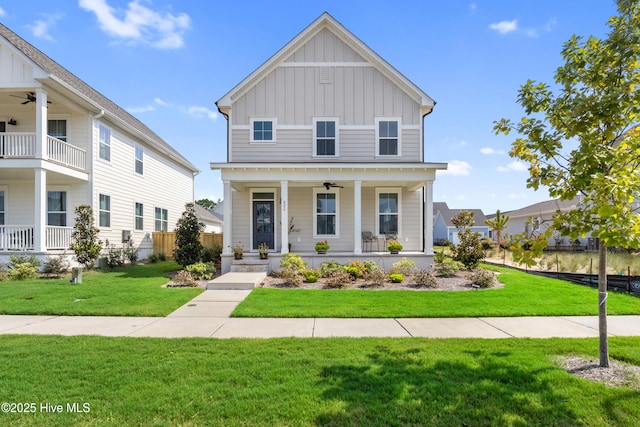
126, 291
522, 295
305, 382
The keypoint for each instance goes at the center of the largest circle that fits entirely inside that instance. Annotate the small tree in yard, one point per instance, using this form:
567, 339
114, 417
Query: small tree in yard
84, 238
582, 143
498, 225
469, 251
188, 248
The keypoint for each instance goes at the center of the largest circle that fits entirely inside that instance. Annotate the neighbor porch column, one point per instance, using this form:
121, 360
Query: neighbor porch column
40, 224
227, 238
41, 124
357, 217
428, 218
284, 217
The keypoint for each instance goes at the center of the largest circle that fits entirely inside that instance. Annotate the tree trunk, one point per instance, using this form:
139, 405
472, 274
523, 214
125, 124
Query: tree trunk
602, 305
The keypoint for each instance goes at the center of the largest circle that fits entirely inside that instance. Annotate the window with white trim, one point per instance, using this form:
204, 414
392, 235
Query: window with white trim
57, 208
388, 211
326, 213
325, 137
162, 220
105, 211
388, 137
105, 143
139, 159
57, 129
2, 211
139, 216
262, 130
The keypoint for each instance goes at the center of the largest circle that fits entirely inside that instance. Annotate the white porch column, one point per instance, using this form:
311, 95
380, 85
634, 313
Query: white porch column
284, 216
41, 124
428, 218
40, 225
357, 217
227, 223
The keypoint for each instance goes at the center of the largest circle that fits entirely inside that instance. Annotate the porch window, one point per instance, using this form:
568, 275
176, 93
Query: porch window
1, 207
57, 208
263, 130
387, 138
57, 129
162, 219
326, 218
325, 138
105, 143
139, 216
388, 212
139, 159
105, 211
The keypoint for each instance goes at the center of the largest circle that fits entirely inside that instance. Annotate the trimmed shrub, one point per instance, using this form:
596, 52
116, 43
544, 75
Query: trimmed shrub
356, 269
327, 268
404, 266
291, 277
22, 271
114, 257
483, 278
55, 266
201, 270
338, 280
425, 279
293, 262
311, 275
396, 277
448, 268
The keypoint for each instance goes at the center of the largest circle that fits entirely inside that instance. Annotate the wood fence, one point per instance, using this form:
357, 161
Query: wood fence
165, 241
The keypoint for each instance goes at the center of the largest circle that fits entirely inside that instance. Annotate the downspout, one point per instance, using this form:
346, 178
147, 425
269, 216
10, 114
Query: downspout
226, 116
95, 117
424, 193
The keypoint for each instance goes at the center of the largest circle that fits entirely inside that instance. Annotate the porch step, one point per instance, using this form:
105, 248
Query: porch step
250, 266
237, 280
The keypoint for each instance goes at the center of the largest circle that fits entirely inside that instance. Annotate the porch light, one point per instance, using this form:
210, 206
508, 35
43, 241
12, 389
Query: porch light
12, 121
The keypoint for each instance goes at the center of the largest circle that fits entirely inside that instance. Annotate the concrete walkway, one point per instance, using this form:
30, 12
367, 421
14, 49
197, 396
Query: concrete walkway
207, 315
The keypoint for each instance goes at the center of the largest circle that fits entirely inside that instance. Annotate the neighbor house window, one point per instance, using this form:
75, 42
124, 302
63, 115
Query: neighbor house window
326, 213
57, 208
139, 214
105, 211
326, 141
263, 130
105, 143
388, 212
57, 129
162, 219
2, 207
139, 159
388, 138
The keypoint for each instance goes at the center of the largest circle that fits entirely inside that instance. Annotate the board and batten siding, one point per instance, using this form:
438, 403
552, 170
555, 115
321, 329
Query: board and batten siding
163, 184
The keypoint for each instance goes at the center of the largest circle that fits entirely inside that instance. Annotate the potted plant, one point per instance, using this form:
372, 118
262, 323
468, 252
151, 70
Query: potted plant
322, 247
238, 250
263, 249
394, 246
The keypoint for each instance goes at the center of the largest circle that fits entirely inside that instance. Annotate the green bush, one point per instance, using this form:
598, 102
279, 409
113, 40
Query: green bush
157, 257
356, 269
114, 257
404, 266
211, 253
448, 268
131, 253
483, 278
293, 262
327, 268
425, 278
22, 271
14, 260
188, 247
487, 244
55, 266
201, 270
311, 275
396, 277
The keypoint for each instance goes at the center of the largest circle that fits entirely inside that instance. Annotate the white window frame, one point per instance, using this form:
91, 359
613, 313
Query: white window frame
106, 144
59, 118
65, 190
138, 161
4, 189
136, 216
393, 190
274, 125
101, 211
315, 136
388, 119
164, 223
317, 191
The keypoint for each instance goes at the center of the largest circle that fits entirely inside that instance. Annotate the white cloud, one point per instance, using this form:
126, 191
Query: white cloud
515, 166
488, 151
504, 27
463, 143
160, 102
201, 112
2, 12
457, 168
40, 28
473, 7
144, 109
139, 23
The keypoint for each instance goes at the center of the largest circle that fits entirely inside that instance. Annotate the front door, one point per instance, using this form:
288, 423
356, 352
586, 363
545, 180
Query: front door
263, 223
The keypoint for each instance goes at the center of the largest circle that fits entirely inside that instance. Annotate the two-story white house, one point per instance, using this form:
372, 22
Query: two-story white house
326, 138
63, 144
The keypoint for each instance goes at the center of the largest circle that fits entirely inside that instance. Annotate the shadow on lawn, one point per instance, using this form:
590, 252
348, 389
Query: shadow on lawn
405, 388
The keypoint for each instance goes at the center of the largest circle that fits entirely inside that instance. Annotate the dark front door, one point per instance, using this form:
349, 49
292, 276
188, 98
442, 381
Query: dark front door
263, 223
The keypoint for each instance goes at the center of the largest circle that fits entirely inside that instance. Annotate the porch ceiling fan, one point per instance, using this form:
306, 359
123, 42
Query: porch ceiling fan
29, 96
329, 185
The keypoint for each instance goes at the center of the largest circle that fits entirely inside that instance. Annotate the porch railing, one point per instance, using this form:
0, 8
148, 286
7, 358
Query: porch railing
21, 237
23, 145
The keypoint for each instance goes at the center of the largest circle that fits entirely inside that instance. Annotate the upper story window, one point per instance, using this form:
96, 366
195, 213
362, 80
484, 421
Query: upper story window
105, 143
57, 129
263, 130
139, 159
325, 137
388, 137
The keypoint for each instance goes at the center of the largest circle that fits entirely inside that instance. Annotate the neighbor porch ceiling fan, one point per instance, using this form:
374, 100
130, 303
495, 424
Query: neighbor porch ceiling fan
29, 96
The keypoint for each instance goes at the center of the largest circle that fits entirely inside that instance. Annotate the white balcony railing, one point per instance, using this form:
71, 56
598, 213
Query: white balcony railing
21, 237
23, 145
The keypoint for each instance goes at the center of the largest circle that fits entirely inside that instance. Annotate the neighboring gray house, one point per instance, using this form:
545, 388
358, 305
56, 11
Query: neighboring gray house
63, 144
329, 133
443, 228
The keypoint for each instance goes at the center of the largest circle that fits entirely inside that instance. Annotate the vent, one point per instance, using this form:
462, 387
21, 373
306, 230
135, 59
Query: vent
326, 75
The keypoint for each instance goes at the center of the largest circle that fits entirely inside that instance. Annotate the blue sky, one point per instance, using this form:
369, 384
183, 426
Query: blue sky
168, 61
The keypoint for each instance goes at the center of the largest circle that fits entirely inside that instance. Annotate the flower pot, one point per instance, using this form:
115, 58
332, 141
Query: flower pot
394, 251
263, 256
322, 251
237, 255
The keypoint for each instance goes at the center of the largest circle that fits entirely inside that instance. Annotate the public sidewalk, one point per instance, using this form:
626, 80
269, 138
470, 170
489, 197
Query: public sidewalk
207, 315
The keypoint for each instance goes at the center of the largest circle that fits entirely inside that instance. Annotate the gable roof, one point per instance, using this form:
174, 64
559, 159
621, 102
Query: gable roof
447, 214
204, 214
546, 207
326, 21
60, 76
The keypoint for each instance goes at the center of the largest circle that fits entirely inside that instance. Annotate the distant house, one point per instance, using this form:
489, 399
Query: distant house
443, 228
329, 133
211, 220
63, 144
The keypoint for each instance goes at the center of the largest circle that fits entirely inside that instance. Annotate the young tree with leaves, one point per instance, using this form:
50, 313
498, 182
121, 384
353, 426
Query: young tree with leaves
84, 238
498, 225
188, 247
582, 143
469, 251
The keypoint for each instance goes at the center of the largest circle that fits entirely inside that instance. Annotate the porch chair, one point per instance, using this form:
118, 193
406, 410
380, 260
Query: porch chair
369, 238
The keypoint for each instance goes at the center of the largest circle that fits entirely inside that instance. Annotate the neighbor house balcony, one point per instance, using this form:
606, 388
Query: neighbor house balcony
22, 145
21, 237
